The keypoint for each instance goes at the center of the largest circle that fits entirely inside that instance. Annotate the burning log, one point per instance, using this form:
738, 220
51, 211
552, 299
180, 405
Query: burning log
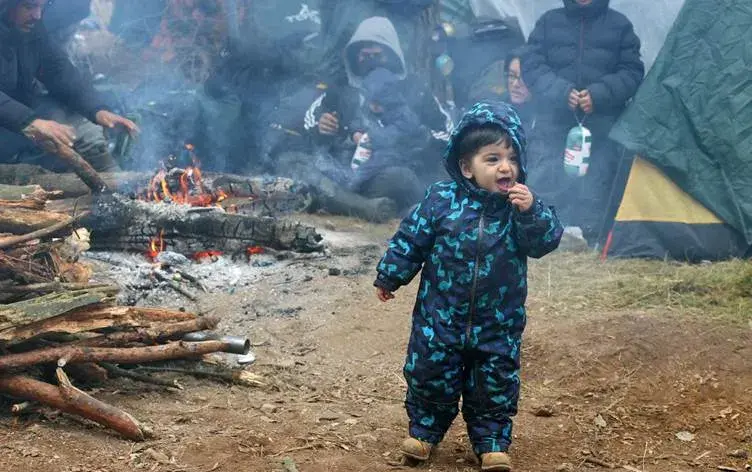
135, 355
69, 399
121, 224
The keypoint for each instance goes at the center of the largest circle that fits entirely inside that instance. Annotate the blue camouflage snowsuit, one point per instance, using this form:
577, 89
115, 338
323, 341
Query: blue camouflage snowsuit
470, 311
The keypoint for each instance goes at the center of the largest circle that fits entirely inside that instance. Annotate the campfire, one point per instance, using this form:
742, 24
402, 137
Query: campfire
184, 186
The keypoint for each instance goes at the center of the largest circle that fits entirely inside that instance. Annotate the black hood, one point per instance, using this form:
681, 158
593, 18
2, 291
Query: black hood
596, 7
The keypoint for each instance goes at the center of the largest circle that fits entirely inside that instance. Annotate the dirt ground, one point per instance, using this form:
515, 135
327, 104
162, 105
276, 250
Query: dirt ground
601, 388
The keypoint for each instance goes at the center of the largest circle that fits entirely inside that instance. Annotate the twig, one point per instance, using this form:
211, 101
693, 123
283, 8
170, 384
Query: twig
598, 462
15, 240
119, 372
175, 286
631, 469
192, 278
19, 408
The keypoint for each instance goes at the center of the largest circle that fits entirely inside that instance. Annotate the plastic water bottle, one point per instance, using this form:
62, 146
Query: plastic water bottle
577, 152
362, 152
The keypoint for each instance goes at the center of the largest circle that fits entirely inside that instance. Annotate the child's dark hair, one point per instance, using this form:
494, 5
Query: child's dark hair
473, 138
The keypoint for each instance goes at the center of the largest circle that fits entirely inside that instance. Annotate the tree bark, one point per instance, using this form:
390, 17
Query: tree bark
90, 318
41, 233
73, 401
135, 355
151, 335
41, 308
22, 221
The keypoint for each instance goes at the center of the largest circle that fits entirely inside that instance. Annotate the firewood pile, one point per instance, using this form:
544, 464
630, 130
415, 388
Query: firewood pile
54, 323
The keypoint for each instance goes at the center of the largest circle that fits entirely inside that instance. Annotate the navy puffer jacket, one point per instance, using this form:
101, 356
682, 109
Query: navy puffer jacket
584, 47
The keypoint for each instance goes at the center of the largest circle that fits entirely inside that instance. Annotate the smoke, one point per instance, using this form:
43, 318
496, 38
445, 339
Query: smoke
652, 19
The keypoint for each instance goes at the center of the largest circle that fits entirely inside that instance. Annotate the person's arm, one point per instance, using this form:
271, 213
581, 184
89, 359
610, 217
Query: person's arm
537, 230
66, 84
612, 91
14, 115
408, 248
539, 76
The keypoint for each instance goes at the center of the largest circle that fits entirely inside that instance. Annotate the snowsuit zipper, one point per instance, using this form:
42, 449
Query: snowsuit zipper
481, 225
581, 51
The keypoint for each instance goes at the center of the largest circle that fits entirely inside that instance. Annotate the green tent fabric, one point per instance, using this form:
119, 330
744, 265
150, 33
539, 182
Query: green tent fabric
692, 117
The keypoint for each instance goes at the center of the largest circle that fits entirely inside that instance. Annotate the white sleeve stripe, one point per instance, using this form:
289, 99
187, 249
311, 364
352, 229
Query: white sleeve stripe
310, 116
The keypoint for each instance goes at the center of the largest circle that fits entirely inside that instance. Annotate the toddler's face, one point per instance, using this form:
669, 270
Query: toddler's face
494, 168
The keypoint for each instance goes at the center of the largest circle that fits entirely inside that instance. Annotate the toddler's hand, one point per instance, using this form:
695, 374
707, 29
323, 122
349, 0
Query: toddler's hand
521, 197
384, 294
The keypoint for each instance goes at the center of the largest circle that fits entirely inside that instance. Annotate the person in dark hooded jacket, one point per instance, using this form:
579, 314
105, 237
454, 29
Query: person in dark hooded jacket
584, 67
396, 140
471, 237
28, 58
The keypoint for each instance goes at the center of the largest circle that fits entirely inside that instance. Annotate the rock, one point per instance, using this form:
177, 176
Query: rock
685, 436
158, 456
351, 421
366, 437
333, 271
268, 408
543, 411
328, 416
565, 467
739, 454
600, 422
172, 258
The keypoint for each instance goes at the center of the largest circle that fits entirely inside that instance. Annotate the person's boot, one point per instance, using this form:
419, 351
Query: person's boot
416, 449
495, 462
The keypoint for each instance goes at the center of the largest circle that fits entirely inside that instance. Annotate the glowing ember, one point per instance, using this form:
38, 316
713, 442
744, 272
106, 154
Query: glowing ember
156, 246
200, 256
253, 250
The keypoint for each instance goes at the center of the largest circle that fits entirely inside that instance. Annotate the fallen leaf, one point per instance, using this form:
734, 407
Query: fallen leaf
600, 422
726, 412
685, 436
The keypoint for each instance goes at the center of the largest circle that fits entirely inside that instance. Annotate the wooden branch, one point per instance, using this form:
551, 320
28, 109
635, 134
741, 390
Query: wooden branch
175, 285
67, 154
93, 317
47, 306
21, 221
28, 204
152, 335
12, 194
60, 287
41, 233
136, 355
73, 401
119, 372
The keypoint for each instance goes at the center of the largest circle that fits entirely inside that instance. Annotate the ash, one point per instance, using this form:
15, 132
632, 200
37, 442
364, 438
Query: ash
152, 283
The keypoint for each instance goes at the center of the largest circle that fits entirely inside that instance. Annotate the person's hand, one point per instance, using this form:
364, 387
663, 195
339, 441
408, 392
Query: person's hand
328, 123
110, 120
384, 294
357, 136
574, 99
586, 101
521, 197
48, 133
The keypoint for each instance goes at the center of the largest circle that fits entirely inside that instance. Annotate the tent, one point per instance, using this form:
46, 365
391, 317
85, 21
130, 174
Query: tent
689, 194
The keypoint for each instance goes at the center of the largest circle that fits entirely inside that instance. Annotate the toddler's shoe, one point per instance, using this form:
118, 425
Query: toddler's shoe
495, 462
416, 449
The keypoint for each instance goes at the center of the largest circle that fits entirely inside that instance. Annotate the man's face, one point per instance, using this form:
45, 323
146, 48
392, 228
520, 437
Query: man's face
373, 53
26, 14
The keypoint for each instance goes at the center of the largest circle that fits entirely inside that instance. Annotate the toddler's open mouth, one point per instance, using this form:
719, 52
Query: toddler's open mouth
505, 184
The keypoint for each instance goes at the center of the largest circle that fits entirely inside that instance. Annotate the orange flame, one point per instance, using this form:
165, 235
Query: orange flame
156, 246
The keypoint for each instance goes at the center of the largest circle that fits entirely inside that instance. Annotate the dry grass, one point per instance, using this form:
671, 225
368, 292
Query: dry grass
568, 283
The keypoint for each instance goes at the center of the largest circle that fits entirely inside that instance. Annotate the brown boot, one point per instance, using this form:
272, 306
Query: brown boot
416, 449
495, 462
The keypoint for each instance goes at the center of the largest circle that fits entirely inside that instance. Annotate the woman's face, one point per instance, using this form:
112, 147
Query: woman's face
518, 91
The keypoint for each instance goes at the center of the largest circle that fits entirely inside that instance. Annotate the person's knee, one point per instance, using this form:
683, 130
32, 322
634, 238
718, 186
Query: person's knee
93, 146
